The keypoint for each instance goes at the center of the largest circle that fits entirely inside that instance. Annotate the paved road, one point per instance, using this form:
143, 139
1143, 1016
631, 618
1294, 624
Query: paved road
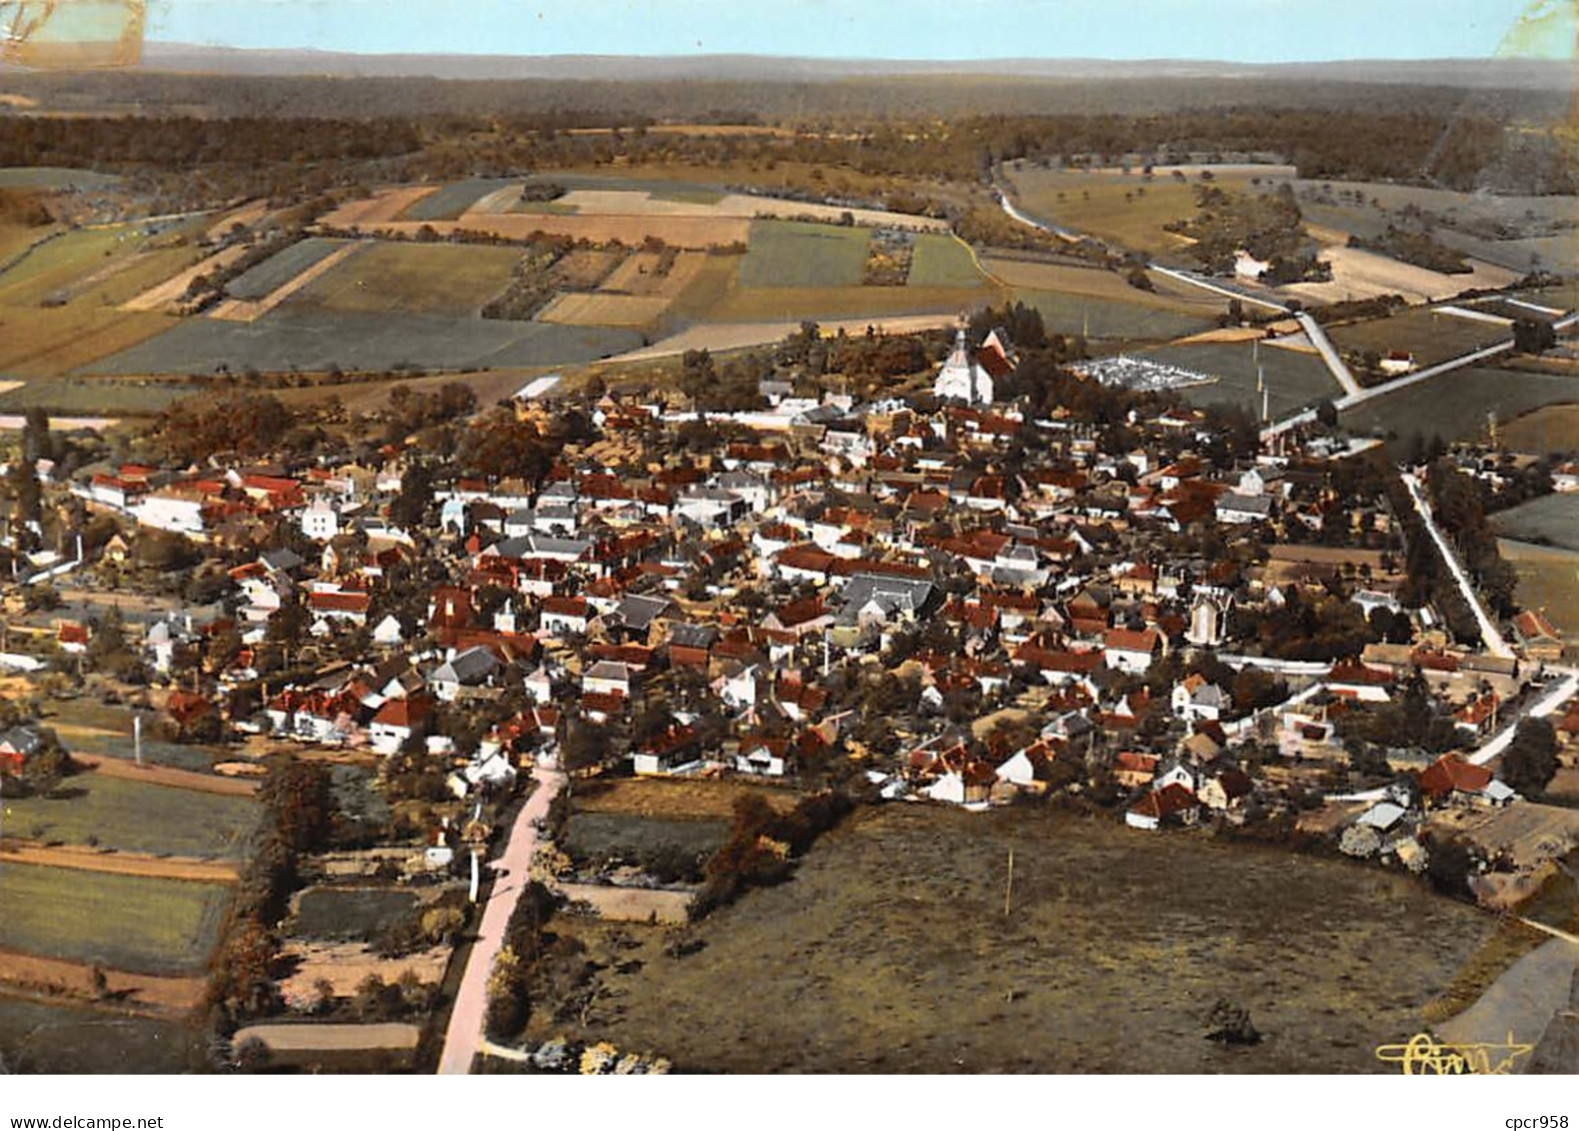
464, 1037
1329, 354
1489, 633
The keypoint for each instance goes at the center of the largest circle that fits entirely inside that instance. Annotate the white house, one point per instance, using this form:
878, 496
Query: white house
319, 520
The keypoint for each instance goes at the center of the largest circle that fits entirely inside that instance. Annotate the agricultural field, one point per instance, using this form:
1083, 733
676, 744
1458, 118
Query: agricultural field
943, 261
1548, 580
1430, 335
273, 273
1095, 282
453, 200
1360, 274
577, 309
104, 730
1125, 210
638, 274
140, 925
790, 254
889, 950
133, 816
693, 232
821, 304
1111, 319
55, 179
411, 278
1551, 520
1551, 430
1455, 405
378, 210
61, 340
58, 1037
317, 340
1293, 380
350, 913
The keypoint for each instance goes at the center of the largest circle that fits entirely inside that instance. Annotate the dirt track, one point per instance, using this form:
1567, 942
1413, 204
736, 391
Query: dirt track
54, 975
84, 859
167, 776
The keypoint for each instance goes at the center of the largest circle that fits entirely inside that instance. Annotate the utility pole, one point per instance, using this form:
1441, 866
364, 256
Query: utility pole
1008, 885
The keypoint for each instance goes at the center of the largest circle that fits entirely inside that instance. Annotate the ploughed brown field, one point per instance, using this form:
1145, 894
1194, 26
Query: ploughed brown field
890, 951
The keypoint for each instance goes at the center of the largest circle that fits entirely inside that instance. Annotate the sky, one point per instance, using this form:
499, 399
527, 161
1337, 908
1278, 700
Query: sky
1234, 30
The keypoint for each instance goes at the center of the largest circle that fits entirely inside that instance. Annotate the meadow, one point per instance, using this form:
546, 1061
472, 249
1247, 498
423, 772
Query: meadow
316, 340
943, 261
1110, 318
1455, 405
133, 816
280, 268
1551, 520
890, 950
1429, 335
1293, 380
411, 278
785, 253
1548, 580
1551, 430
135, 924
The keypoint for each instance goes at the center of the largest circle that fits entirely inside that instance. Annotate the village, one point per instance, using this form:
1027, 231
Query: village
1141, 610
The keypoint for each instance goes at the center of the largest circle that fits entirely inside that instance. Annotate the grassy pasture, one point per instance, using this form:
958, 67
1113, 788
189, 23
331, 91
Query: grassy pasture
411, 278
942, 261
1546, 431
787, 253
64, 261
60, 1037
48, 177
1095, 203
889, 950
38, 343
1454, 405
1114, 318
280, 268
1431, 336
317, 340
1293, 380
140, 925
92, 397
450, 201
769, 304
136, 817
1549, 580
1550, 519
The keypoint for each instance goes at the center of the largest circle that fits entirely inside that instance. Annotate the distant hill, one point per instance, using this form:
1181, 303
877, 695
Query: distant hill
1506, 74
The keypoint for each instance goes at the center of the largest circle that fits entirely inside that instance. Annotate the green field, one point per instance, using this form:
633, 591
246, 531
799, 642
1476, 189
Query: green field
60, 1037
1551, 520
1454, 405
942, 261
142, 926
452, 200
95, 397
789, 253
65, 261
316, 340
889, 950
793, 304
136, 816
280, 268
1551, 430
410, 278
1430, 336
1293, 380
1096, 204
1549, 581
1064, 313
46, 177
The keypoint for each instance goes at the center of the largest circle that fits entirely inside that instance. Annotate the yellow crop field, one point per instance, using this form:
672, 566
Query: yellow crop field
411, 278
604, 309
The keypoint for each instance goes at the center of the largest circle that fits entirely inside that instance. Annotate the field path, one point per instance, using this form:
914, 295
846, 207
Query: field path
81, 858
171, 291
57, 975
463, 1039
166, 776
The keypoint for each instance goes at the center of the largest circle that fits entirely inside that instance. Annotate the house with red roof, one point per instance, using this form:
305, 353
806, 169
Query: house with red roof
1453, 780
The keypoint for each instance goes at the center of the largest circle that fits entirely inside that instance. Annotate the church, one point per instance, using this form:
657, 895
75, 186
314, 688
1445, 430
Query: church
970, 376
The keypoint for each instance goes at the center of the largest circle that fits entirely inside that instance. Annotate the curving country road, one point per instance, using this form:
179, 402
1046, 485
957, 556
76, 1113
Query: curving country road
464, 1038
